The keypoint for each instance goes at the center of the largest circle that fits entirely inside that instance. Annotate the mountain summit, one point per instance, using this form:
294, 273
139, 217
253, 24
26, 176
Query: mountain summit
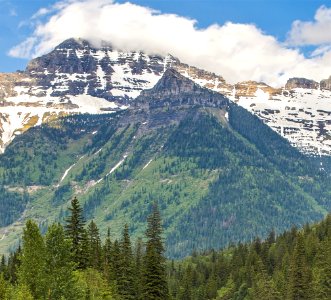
174, 89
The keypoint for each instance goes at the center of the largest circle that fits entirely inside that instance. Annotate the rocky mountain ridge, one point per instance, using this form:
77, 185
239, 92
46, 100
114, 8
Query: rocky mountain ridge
79, 78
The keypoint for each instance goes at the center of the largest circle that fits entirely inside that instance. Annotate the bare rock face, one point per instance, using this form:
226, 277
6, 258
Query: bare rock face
8, 82
326, 84
303, 83
174, 90
249, 89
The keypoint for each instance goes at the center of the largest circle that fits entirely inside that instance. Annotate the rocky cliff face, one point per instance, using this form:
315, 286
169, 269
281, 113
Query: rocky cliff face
174, 89
326, 84
303, 83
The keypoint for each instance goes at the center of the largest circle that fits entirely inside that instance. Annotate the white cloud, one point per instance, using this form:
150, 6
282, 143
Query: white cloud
236, 51
41, 12
315, 32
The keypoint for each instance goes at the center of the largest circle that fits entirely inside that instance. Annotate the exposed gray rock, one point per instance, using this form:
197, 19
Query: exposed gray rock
325, 84
173, 89
304, 83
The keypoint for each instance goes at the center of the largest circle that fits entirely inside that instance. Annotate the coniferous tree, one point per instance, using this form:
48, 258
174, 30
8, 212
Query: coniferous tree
59, 265
322, 273
299, 281
13, 265
154, 277
3, 264
263, 287
107, 260
126, 281
75, 232
32, 271
138, 268
116, 259
94, 246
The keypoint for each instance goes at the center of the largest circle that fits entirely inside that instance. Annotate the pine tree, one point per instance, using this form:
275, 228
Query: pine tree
138, 267
107, 260
32, 269
115, 259
13, 265
299, 281
125, 281
75, 232
322, 272
263, 287
154, 276
59, 265
94, 246
186, 286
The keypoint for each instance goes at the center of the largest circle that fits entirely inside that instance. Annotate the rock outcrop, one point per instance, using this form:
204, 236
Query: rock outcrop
174, 89
303, 83
326, 84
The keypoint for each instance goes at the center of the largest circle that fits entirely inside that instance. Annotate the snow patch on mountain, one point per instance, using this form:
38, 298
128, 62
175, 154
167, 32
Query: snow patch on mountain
303, 116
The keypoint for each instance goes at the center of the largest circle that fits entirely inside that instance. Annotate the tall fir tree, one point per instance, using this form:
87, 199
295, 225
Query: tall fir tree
32, 271
154, 276
75, 232
322, 272
59, 265
125, 282
107, 265
94, 246
138, 267
300, 275
13, 265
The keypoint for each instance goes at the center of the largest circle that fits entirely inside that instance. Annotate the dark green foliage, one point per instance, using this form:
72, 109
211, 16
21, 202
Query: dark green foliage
300, 273
253, 193
300, 269
94, 248
138, 268
76, 233
63, 192
12, 204
59, 265
154, 274
125, 281
32, 271
293, 265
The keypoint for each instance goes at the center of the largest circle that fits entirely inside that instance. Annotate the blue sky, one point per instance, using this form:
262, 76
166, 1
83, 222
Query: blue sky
272, 17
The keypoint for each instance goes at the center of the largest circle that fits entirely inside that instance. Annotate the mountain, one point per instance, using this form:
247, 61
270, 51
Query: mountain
77, 77
219, 174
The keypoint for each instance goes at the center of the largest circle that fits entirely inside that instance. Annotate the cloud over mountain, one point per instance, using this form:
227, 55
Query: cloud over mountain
236, 51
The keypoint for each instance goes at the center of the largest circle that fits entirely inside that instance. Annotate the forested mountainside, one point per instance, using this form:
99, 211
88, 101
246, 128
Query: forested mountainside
293, 265
72, 262
218, 173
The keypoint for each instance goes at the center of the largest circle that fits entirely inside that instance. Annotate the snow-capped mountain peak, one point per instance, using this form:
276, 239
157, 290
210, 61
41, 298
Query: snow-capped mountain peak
77, 77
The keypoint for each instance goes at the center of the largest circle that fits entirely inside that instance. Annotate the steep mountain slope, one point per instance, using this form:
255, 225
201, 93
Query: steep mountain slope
190, 149
77, 78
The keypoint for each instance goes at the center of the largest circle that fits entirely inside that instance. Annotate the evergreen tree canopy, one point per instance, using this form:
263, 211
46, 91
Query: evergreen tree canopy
154, 276
75, 232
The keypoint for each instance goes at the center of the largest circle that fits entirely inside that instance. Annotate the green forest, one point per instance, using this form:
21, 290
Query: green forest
71, 262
